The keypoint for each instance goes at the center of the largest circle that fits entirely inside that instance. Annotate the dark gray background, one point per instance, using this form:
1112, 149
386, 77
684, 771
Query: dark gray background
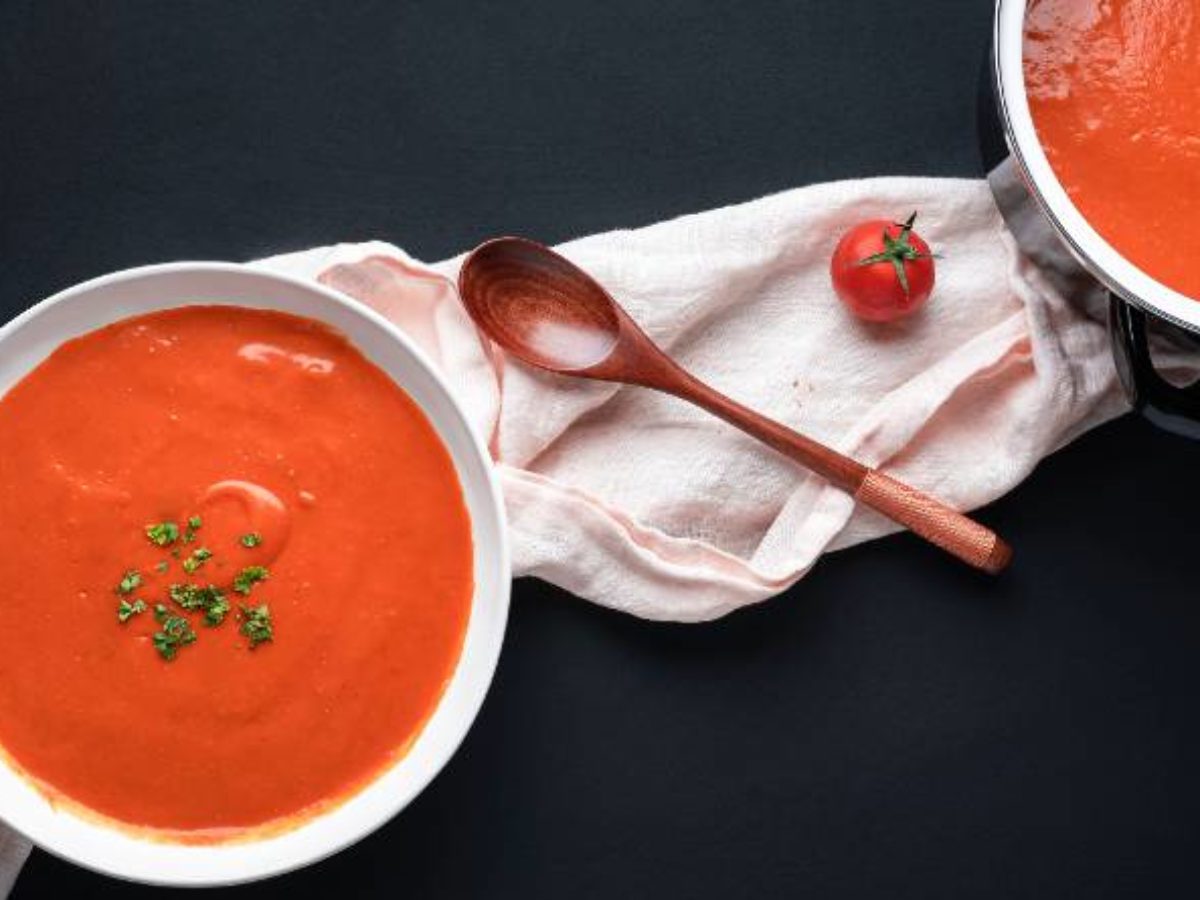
893, 727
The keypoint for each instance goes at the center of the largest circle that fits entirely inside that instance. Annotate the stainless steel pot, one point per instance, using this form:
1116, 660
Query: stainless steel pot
1134, 297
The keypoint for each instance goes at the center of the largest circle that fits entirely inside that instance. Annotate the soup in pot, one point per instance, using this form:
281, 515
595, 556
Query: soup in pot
1114, 89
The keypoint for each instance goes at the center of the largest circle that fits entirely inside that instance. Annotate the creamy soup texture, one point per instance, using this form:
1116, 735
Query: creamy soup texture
1114, 88
237, 571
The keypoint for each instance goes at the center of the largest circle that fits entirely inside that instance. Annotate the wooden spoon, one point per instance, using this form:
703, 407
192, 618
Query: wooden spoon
544, 310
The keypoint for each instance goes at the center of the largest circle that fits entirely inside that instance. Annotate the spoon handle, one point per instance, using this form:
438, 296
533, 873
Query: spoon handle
920, 513
933, 520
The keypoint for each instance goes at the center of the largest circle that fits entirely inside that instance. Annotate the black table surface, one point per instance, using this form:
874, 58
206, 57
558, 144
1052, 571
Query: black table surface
894, 726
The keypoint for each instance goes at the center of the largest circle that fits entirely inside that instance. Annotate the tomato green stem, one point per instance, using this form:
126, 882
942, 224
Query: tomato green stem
897, 251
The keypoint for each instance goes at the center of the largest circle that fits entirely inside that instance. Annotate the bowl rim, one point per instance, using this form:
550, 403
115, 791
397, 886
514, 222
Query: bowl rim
485, 659
1097, 255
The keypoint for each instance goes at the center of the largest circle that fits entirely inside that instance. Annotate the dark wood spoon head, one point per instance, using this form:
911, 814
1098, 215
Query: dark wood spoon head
539, 306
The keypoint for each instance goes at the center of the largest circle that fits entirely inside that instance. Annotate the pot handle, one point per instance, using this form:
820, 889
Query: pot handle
1174, 409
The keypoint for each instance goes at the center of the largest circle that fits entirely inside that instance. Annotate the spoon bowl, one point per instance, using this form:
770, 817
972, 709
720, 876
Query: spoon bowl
538, 306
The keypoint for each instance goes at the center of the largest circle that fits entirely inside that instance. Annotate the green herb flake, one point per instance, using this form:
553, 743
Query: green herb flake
182, 594
130, 582
163, 534
176, 632
216, 612
248, 577
256, 624
127, 610
162, 567
192, 596
164, 645
251, 540
197, 559
193, 525
210, 599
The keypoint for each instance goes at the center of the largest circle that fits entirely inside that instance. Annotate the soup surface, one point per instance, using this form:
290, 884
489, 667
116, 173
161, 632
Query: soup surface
279, 471
1114, 87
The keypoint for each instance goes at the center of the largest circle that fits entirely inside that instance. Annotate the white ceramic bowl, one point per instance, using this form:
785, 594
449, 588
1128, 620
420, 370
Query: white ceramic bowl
28, 339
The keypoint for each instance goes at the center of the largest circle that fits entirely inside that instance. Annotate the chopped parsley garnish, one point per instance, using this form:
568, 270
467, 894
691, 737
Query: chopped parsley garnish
130, 581
210, 599
164, 534
127, 610
176, 632
189, 596
256, 624
197, 559
175, 626
216, 612
248, 577
193, 525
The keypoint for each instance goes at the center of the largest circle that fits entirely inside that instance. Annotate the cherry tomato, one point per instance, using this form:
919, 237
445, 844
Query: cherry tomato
882, 270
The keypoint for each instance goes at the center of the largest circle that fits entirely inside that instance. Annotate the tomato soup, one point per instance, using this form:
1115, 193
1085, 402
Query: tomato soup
237, 569
1114, 88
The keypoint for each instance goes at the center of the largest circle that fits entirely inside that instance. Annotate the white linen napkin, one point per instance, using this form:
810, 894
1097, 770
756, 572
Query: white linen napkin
641, 503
